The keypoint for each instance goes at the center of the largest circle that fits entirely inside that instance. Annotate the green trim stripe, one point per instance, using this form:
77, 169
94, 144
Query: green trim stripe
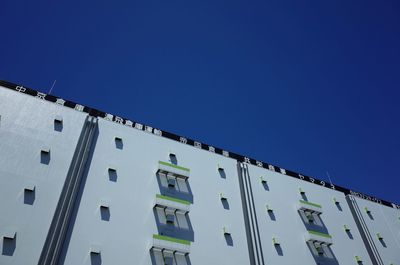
319, 234
312, 204
172, 199
174, 166
171, 239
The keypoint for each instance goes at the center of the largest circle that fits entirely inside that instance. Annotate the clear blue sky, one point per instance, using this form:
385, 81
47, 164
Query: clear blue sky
312, 86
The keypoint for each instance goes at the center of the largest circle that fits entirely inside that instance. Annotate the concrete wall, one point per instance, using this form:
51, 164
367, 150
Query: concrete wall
287, 225
126, 236
224, 211
27, 127
382, 227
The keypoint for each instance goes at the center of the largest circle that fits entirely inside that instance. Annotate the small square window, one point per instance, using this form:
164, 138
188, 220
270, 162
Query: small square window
221, 171
105, 211
173, 159
9, 242
112, 174
29, 194
45, 155
58, 123
118, 143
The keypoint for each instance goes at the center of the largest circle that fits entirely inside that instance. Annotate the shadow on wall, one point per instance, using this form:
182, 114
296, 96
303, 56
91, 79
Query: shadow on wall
119, 144
229, 239
181, 228
279, 250
181, 190
370, 215
316, 224
9, 245
173, 159
349, 234
225, 204
222, 173
29, 196
383, 242
157, 258
112, 175
45, 157
58, 126
271, 215
325, 256
265, 185
105, 213
95, 258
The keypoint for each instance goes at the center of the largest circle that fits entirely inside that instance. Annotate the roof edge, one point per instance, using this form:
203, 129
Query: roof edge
188, 141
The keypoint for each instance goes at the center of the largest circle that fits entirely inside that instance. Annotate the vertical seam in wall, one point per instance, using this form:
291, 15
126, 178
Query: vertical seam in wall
74, 191
253, 231
368, 234
250, 245
48, 246
254, 240
56, 234
256, 231
364, 231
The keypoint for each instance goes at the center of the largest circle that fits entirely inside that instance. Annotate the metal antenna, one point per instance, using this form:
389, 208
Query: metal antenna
52, 86
329, 177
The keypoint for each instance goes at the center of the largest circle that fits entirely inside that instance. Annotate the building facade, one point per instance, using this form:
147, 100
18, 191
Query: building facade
81, 186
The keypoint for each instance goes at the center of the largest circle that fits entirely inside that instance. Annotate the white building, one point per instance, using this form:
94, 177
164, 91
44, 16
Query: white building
80, 186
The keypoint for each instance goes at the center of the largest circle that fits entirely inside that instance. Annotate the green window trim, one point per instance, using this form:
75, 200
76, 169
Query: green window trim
172, 199
174, 166
311, 203
319, 234
172, 239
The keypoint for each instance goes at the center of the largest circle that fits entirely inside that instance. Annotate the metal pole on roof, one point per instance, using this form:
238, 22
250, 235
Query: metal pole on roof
52, 86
